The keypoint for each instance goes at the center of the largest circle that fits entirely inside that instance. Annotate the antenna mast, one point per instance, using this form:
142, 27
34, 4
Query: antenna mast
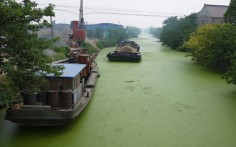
81, 18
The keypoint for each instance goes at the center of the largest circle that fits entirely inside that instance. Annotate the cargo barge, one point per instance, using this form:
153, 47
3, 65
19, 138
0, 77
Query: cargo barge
127, 51
64, 98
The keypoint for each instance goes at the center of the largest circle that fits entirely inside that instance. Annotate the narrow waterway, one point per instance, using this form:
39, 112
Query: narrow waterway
165, 100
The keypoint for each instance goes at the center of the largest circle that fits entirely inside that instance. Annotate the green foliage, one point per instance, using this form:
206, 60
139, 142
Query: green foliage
60, 53
133, 32
91, 49
114, 36
214, 46
118, 35
106, 43
176, 31
111, 37
7, 95
21, 53
230, 15
230, 75
156, 32
169, 33
59, 49
98, 33
99, 44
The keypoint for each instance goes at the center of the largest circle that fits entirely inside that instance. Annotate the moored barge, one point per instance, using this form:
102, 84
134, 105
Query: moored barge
126, 51
62, 100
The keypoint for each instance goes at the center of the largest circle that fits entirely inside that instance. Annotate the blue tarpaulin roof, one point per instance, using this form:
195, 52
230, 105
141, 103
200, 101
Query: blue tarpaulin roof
70, 70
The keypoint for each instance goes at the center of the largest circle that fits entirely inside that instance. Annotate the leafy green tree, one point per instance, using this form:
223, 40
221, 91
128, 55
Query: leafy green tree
176, 31
156, 32
90, 33
133, 32
213, 45
168, 33
21, 51
98, 33
118, 34
111, 37
115, 36
230, 15
230, 75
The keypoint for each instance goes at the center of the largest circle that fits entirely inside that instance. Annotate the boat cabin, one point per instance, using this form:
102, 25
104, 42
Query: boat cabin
65, 90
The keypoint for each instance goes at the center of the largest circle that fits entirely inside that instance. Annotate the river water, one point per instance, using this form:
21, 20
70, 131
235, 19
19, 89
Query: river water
165, 100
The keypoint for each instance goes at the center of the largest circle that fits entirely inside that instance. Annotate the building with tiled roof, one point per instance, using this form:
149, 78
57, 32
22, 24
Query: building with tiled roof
212, 14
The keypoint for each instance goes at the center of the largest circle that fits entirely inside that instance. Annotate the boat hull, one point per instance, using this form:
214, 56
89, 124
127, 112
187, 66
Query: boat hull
125, 57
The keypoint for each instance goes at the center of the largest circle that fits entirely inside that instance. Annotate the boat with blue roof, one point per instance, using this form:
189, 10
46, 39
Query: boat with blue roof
62, 99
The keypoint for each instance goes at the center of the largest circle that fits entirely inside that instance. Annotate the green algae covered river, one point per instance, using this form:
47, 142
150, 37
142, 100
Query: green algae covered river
164, 101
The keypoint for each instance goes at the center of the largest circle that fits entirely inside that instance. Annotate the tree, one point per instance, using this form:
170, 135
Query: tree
21, 51
167, 36
156, 32
213, 45
176, 31
118, 34
230, 15
98, 33
133, 32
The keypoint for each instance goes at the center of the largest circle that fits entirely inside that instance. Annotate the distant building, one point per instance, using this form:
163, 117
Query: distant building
104, 26
212, 14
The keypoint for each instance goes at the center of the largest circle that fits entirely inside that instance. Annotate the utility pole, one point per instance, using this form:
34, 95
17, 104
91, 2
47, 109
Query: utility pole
81, 19
51, 27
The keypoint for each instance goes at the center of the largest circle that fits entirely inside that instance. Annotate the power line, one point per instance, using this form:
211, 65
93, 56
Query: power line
118, 11
130, 14
67, 11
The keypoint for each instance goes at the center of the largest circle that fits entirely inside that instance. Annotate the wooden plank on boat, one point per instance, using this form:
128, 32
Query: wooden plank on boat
94, 67
36, 107
92, 80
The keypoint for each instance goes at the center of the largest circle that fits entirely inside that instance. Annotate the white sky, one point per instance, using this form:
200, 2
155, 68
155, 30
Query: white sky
156, 11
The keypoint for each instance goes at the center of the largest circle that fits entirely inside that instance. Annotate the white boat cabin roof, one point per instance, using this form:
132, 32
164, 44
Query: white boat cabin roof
70, 70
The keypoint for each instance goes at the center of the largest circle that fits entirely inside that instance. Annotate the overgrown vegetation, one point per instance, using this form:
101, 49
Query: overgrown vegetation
133, 32
214, 45
111, 37
21, 51
156, 32
91, 49
176, 31
230, 15
216, 51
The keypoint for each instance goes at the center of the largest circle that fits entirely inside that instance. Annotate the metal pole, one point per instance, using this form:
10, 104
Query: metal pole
81, 10
51, 27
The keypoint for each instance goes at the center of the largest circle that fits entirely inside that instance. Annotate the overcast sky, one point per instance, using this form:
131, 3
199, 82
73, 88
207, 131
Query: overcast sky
139, 13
